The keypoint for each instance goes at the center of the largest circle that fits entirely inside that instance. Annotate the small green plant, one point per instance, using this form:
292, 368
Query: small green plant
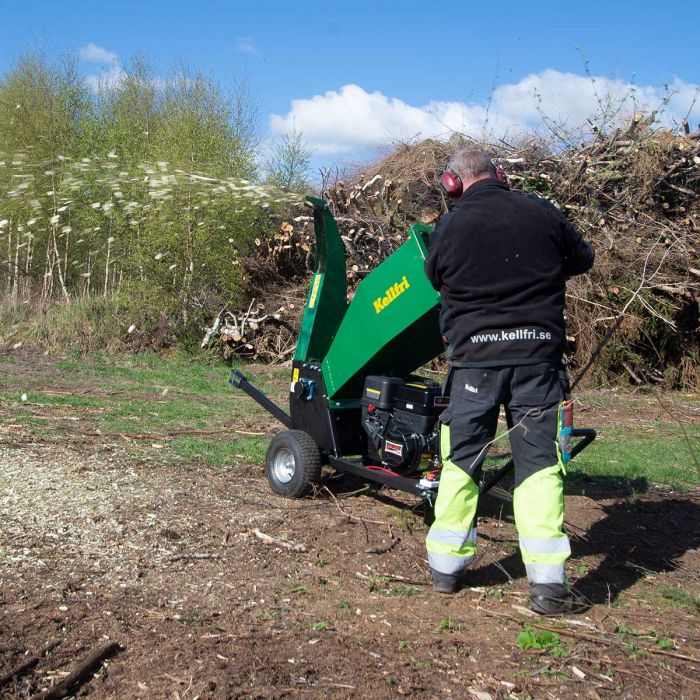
447, 625
636, 652
343, 605
321, 563
582, 569
300, 589
320, 626
267, 615
665, 643
405, 646
377, 582
531, 638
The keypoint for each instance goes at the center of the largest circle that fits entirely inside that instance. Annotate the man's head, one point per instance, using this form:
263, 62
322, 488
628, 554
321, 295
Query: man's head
469, 165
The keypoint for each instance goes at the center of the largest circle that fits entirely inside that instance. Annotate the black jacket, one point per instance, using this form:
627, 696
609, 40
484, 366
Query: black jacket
500, 260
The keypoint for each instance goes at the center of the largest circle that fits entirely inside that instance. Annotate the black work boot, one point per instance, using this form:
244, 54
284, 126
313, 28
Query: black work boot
554, 599
446, 583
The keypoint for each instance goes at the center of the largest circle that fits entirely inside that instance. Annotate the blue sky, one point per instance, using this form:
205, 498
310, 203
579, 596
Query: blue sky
352, 76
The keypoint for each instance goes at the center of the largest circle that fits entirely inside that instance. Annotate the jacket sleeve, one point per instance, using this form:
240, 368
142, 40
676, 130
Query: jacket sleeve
578, 254
432, 262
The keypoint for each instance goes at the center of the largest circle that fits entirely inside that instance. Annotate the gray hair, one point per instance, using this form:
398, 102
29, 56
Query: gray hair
471, 162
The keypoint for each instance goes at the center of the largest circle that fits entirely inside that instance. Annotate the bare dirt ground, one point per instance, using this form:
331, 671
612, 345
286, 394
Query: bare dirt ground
104, 541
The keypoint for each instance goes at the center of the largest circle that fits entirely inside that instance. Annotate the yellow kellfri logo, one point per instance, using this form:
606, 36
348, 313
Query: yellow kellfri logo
399, 288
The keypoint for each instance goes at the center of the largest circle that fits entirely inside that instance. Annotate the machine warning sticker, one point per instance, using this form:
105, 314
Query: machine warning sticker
393, 448
314, 291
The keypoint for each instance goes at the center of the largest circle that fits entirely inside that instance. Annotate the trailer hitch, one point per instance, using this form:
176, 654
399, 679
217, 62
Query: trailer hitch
239, 381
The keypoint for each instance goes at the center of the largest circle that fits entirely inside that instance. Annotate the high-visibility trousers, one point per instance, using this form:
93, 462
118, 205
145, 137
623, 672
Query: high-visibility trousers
538, 499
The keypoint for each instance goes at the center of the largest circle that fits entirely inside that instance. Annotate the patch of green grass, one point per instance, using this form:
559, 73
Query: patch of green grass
406, 591
154, 394
220, 452
37, 397
531, 638
661, 456
406, 518
678, 596
320, 625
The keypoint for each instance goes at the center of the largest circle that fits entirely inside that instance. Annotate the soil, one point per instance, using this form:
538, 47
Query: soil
101, 541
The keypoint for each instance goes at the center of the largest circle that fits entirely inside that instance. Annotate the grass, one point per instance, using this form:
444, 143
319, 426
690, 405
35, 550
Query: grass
679, 597
155, 394
660, 455
148, 394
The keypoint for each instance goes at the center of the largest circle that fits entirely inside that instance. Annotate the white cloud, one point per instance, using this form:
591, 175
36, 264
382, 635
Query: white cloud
111, 74
92, 53
351, 119
245, 44
107, 79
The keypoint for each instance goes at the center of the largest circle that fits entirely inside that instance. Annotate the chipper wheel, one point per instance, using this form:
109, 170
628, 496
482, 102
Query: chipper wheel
293, 463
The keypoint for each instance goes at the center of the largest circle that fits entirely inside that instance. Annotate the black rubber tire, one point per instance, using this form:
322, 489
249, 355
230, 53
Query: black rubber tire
293, 463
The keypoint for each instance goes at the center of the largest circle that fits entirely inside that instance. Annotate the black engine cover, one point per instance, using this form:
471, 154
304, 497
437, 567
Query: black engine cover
402, 424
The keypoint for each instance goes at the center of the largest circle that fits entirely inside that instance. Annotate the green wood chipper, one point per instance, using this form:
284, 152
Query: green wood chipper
354, 403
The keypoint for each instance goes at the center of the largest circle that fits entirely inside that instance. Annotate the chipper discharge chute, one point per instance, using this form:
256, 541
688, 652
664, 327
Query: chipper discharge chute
355, 403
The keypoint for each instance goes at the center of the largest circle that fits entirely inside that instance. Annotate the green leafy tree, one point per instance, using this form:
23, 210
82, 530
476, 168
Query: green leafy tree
288, 164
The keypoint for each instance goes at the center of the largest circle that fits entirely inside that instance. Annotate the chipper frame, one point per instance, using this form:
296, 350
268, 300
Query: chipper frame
388, 330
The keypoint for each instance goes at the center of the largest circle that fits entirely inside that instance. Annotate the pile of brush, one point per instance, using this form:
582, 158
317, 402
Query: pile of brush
633, 193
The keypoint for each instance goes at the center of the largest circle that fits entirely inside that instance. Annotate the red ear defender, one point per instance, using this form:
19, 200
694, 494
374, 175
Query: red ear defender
451, 183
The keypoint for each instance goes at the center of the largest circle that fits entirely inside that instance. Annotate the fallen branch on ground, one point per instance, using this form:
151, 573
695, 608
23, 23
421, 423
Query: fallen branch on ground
27, 665
180, 557
273, 541
82, 673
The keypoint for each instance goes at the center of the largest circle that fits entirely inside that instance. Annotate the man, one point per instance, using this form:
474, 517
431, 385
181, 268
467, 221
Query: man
500, 260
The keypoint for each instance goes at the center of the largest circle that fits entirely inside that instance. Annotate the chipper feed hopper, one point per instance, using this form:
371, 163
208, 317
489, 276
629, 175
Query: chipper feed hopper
354, 402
